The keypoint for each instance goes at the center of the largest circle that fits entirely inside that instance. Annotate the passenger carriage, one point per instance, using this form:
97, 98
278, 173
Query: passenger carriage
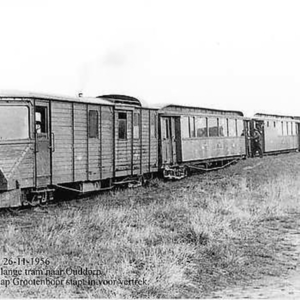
190, 136
280, 133
51, 142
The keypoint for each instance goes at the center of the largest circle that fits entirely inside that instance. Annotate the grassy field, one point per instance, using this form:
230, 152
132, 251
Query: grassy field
180, 239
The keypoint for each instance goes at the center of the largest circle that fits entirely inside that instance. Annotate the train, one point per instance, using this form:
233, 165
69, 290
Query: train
87, 144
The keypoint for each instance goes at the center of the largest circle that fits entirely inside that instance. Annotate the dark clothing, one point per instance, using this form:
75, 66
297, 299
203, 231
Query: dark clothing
257, 143
257, 137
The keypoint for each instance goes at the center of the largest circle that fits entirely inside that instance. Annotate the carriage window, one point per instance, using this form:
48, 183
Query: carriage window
283, 127
212, 127
168, 134
287, 128
296, 128
231, 127
153, 126
136, 126
41, 119
192, 126
292, 128
122, 119
274, 124
267, 123
185, 127
201, 127
14, 122
165, 128
279, 128
93, 124
240, 128
223, 127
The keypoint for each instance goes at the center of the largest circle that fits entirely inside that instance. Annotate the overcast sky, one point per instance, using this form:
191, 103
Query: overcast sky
242, 55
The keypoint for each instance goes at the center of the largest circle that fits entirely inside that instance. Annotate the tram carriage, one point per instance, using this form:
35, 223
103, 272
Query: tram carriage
79, 144
280, 133
191, 136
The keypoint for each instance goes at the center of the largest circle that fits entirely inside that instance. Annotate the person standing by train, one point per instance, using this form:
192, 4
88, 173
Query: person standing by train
257, 142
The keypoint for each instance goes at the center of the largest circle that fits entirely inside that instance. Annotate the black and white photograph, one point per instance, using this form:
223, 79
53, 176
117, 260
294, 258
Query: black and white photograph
149, 149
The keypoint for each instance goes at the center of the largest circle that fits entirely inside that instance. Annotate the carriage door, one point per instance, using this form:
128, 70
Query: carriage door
168, 140
260, 126
43, 144
173, 138
247, 134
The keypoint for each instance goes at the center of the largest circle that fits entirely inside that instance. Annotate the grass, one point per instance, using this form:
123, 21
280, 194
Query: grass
181, 239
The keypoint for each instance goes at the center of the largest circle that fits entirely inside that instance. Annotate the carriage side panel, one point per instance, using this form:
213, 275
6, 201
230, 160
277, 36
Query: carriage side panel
80, 142
94, 143
17, 163
280, 135
212, 137
106, 134
62, 156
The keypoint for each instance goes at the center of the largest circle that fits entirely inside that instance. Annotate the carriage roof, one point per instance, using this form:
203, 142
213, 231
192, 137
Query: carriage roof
122, 99
203, 110
273, 116
43, 96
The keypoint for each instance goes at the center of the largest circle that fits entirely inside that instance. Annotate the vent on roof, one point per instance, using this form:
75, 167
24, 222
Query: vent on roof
122, 99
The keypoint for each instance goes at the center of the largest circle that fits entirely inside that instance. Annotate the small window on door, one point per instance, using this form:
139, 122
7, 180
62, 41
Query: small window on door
192, 127
167, 128
240, 128
136, 125
122, 119
153, 126
41, 127
93, 124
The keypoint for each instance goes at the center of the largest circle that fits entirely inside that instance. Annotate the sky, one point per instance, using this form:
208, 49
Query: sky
236, 55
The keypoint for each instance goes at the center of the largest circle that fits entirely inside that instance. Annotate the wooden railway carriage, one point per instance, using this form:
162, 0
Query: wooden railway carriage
192, 135
136, 137
280, 133
79, 144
